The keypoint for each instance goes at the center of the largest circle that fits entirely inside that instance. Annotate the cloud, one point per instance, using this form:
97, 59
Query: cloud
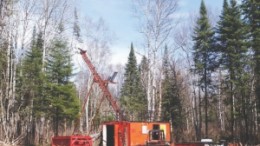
119, 55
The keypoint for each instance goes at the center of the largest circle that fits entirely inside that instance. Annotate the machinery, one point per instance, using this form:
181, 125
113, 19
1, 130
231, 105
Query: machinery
157, 138
120, 132
136, 133
74, 140
102, 84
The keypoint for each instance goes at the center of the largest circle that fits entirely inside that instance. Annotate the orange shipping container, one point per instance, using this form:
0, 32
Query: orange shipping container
132, 133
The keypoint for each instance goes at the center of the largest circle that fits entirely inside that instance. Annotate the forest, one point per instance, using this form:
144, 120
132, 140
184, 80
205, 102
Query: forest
201, 75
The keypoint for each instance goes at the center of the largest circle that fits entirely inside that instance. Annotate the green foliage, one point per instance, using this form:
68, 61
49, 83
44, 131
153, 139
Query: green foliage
251, 12
171, 99
132, 94
62, 101
232, 36
144, 69
59, 66
204, 56
49, 92
30, 77
61, 93
232, 41
167, 89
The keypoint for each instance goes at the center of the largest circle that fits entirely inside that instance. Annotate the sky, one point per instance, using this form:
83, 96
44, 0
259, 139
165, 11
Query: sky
119, 18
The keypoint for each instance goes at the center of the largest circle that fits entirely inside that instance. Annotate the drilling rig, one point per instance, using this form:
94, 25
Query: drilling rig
120, 132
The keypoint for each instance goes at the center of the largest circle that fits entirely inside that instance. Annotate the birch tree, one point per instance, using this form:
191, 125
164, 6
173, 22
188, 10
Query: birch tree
8, 111
28, 10
51, 14
156, 24
96, 41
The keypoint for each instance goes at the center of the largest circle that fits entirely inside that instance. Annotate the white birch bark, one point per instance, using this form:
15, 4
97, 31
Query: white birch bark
220, 104
10, 121
156, 23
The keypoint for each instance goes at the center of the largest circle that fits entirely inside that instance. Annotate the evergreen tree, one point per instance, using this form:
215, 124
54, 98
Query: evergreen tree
252, 18
204, 56
167, 90
24, 71
144, 68
76, 28
33, 79
231, 39
171, 100
132, 94
29, 85
61, 92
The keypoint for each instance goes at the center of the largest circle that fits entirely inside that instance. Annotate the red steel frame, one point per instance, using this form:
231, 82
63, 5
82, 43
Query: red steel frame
106, 93
102, 84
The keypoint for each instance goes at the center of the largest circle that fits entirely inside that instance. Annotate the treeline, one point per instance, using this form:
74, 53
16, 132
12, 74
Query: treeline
36, 95
226, 63
212, 92
45, 96
218, 96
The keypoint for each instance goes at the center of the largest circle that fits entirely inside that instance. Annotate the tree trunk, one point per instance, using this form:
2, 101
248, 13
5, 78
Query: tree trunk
232, 111
160, 100
220, 104
195, 114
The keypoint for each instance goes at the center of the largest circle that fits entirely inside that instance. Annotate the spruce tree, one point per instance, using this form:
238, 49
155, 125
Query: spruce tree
231, 39
31, 78
167, 90
132, 94
204, 56
144, 68
252, 19
171, 100
76, 28
61, 91
29, 87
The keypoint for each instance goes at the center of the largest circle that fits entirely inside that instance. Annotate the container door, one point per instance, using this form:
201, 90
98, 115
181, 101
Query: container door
110, 135
155, 135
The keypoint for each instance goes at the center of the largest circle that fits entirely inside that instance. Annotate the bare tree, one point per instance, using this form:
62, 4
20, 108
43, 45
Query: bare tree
156, 24
97, 42
27, 9
8, 45
51, 14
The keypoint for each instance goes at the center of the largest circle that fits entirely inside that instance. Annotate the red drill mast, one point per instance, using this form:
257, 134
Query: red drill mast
102, 84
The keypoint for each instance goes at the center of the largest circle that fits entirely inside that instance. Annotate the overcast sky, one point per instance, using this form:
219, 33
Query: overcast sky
119, 17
